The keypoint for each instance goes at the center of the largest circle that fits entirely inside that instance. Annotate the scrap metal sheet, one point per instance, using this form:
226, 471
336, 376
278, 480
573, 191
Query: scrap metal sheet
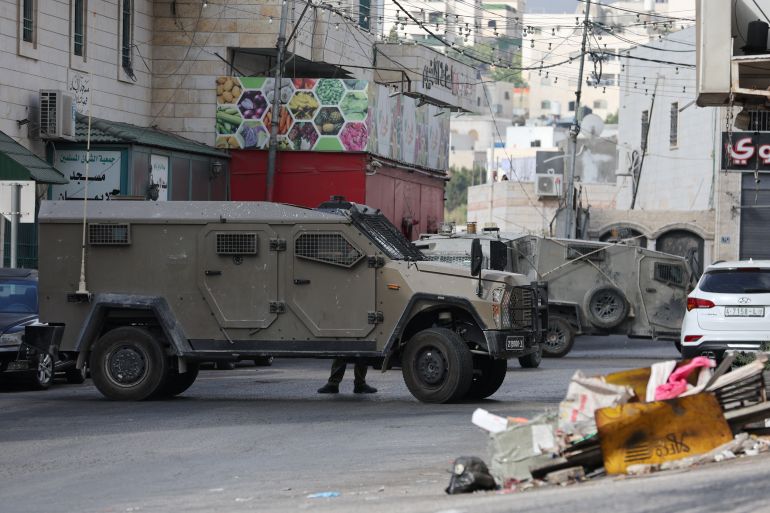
650, 433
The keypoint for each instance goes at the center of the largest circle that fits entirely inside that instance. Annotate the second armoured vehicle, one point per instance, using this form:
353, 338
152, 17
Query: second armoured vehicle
153, 288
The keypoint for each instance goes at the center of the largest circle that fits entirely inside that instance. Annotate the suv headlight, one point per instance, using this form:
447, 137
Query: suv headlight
497, 294
11, 339
501, 301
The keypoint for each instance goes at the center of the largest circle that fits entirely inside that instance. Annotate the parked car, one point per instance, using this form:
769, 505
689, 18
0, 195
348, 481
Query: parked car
728, 309
19, 309
594, 288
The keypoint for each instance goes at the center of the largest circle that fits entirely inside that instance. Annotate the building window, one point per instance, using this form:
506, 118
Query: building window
28, 20
571, 106
545, 104
364, 10
435, 17
127, 37
478, 101
673, 137
79, 28
600, 104
492, 24
645, 129
507, 95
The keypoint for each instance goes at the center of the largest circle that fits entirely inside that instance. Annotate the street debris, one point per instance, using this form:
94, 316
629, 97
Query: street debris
324, 495
673, 415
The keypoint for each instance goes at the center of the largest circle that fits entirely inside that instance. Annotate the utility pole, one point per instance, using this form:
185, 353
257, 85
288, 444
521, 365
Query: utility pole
272, 151
574, 130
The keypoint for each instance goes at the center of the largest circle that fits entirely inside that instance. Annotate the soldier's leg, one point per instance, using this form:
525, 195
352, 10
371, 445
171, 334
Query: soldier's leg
360, 386
338, 371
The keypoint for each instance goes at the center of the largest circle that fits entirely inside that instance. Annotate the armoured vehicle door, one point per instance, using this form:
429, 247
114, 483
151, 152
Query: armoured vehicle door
663, 284
238, 274
332, 289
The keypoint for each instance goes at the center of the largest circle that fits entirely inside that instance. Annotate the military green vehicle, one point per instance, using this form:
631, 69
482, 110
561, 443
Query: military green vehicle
171, 284
595, 288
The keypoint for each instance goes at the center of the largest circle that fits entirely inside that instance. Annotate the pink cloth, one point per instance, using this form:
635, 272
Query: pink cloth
677, 381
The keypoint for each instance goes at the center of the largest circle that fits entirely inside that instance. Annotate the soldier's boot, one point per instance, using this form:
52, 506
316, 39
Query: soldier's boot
363, 388
329, 388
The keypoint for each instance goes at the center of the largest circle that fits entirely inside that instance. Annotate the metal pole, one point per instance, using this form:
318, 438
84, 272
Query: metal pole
573, 134
272, 151
15, 215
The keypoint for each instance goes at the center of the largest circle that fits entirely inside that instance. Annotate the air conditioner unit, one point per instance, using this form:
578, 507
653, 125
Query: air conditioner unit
56, 115
548, 185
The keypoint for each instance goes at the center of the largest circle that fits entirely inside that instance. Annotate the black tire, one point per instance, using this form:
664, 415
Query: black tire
177, 383
224, 365
606, 307
559, 338
678, 345
437, 366
488, 376
263, 361
76, 376
128, 364
42, 377
532, 360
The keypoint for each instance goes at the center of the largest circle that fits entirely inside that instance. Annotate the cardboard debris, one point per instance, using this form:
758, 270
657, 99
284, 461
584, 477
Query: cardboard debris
522, 447
585, 395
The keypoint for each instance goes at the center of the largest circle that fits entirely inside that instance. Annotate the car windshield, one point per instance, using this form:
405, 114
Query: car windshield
386, 236
736, 281
18, 296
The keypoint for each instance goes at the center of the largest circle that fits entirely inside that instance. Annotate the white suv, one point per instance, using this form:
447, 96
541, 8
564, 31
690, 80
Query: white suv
729, 309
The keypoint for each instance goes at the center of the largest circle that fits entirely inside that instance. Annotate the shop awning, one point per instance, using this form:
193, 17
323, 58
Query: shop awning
18, 163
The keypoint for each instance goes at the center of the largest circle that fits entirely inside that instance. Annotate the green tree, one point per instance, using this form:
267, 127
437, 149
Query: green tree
456, 192
612, 119
393, 35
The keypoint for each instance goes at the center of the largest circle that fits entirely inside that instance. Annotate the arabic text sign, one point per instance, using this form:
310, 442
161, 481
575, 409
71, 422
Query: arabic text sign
102, 182
159, 176
79, 86
27, 206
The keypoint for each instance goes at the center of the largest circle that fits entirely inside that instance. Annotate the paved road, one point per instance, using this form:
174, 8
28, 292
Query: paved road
261, 439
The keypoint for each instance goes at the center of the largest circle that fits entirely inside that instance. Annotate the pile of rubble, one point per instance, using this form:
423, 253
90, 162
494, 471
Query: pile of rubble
673, 415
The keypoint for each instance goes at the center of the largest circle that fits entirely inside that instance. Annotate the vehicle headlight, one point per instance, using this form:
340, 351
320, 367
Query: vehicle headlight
497, 294
500, 304
11, 339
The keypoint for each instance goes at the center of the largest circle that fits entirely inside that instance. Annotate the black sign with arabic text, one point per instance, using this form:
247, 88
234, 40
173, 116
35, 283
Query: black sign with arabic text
746, 151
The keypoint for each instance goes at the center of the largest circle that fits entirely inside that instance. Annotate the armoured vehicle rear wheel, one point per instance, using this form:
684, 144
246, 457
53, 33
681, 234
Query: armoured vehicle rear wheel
263, 361
437, 366
488, 376
176, 382
532, 360
606, 307
559, 338
128, 363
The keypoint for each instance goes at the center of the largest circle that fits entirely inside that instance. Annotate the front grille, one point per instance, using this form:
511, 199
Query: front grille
519, 308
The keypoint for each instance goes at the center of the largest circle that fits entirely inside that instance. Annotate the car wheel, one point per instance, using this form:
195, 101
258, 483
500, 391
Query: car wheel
76, 376
128, 364
606, 307
559, 338
678, 345
177, 382
263, 361
42, 377
437, 366
532, 360
488, 376
224, 365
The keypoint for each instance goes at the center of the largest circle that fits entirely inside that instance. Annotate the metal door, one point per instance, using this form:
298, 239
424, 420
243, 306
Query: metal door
239, 274
685, 244
663, 288
333, 287
755, 217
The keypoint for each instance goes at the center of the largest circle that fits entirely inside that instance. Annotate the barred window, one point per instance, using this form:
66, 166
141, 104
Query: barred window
236, 243
330, 248
673, 136
669, 273
109, 234
595, 253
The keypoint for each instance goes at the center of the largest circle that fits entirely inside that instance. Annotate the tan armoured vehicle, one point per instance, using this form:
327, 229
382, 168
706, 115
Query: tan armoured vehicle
170, 284
594, 288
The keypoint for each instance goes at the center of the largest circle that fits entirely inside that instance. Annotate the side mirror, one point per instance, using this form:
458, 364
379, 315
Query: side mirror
477, 257
498, 255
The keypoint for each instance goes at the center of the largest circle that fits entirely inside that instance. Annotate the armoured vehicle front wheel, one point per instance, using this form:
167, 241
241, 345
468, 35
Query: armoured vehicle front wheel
532, 360
437, 366
559, 338
606, 307
128, 364
488, 376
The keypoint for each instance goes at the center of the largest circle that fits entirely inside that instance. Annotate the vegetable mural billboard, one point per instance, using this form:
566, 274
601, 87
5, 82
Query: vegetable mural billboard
329, 114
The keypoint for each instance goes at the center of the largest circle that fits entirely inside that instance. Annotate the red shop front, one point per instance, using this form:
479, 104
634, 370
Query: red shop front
412, 198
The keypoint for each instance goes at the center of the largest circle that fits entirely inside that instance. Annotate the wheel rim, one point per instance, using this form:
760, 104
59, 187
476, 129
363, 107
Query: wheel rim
44, 369
127, 365
555, 339
606, 306
431, 366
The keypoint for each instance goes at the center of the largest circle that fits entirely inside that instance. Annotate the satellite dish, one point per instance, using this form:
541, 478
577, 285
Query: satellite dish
592, 125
